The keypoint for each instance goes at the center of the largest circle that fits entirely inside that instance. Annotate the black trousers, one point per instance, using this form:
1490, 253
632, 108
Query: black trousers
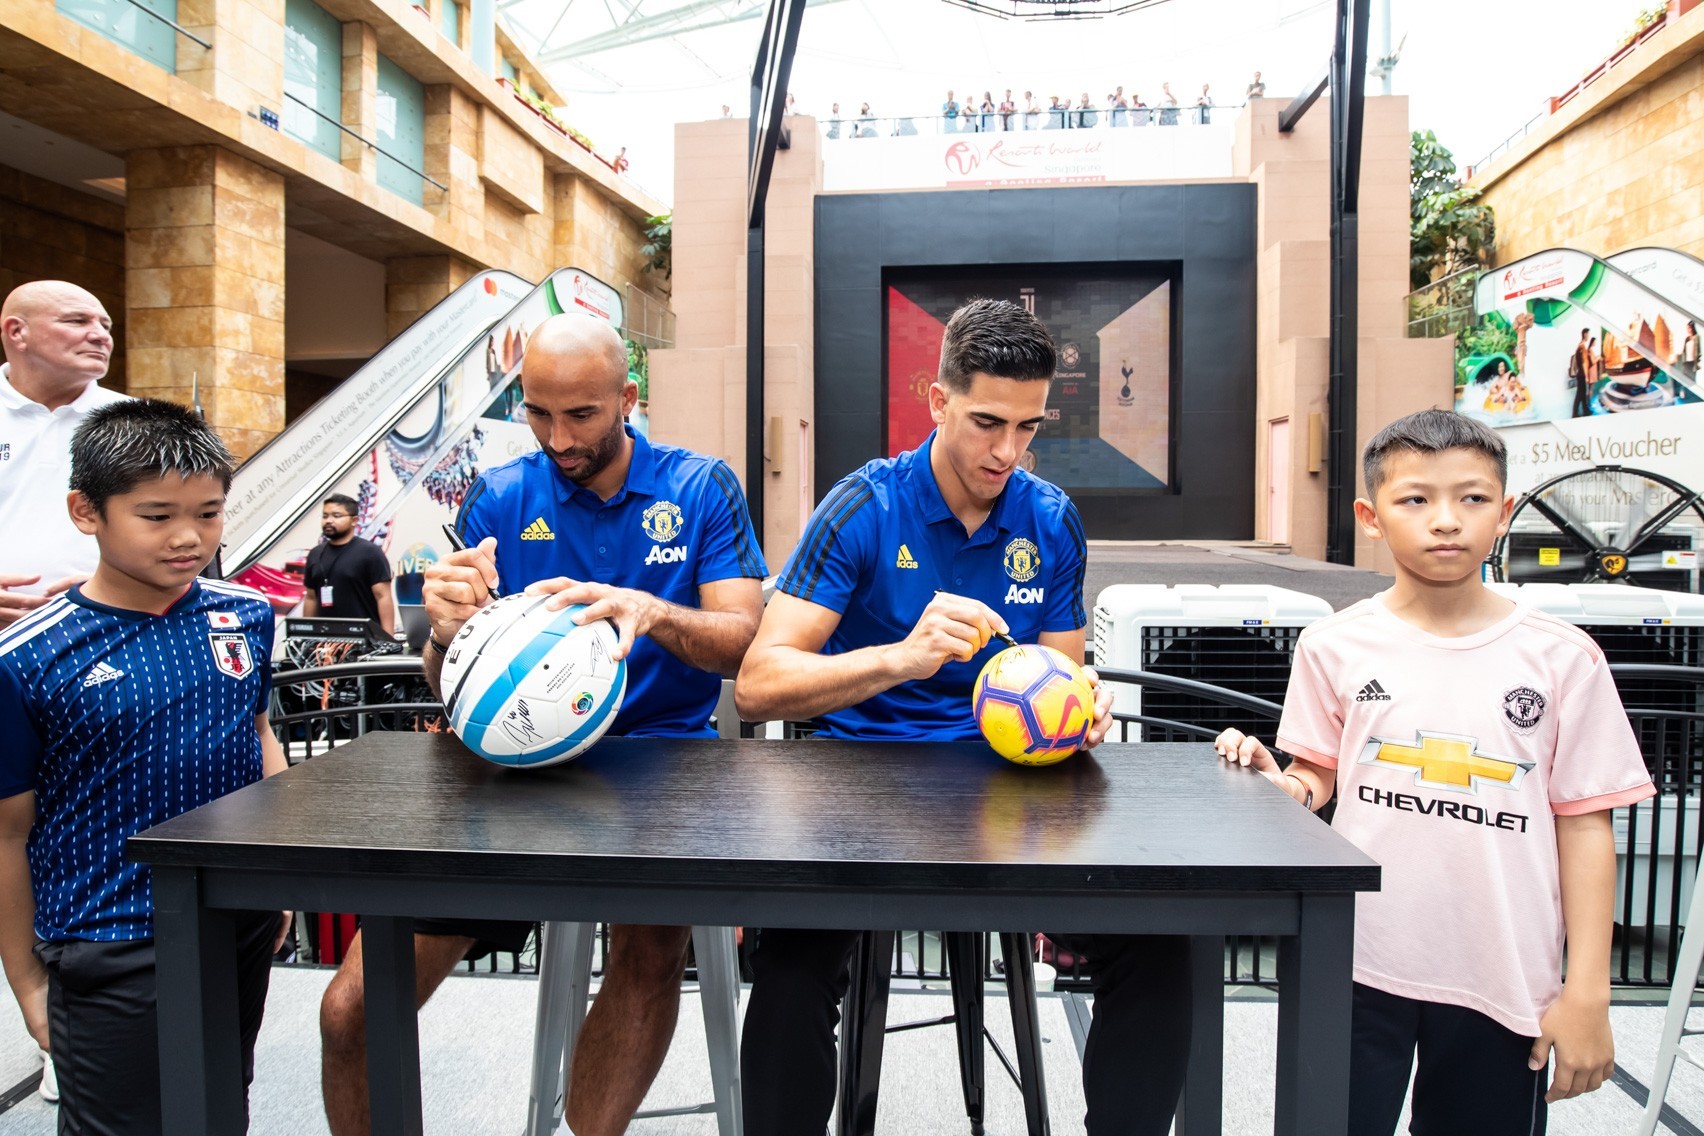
1472, 1077
1133, 1065
105, 1035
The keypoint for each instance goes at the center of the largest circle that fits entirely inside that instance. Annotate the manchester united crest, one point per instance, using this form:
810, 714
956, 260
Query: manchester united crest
1523, 707
662, 521
231, 654
1023, 560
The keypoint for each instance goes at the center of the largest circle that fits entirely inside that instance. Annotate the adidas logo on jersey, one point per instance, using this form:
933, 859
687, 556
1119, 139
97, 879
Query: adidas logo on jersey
1372, 692
538, 530
904, 559
101, 672
662, 555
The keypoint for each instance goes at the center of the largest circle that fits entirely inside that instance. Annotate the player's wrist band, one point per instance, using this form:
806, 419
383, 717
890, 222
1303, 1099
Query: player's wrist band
1307, 804
437, 646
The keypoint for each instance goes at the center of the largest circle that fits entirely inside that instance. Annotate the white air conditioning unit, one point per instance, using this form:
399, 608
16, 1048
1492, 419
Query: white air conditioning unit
1644, 625
1238, 636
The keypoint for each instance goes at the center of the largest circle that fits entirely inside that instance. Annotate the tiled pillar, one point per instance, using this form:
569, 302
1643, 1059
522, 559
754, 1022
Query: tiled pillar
204, 286
414, 283
360, 97
245, 66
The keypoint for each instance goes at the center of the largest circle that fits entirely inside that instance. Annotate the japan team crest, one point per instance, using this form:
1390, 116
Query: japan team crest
1023, 560
662, 522
231, 654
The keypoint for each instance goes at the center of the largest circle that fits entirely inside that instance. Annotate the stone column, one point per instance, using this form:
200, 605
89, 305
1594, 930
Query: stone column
414, 283
204, 287
360, 98
245, 66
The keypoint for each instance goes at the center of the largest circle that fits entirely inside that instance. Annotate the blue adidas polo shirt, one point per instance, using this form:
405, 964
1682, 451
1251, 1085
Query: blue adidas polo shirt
678, 521
883, 542
118, 720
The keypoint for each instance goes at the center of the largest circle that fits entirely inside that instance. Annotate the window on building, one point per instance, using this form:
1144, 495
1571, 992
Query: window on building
140, 26
313, 76
508, 71
450, 21
401, 131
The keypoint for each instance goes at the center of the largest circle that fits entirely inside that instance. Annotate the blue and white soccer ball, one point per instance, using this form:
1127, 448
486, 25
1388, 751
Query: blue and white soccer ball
526, 687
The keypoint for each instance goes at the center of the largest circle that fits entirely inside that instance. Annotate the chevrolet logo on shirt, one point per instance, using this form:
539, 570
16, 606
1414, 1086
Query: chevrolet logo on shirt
538, 530
1446, 761
904, 560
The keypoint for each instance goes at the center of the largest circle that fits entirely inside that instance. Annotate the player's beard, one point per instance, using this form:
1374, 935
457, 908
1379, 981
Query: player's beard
594, 459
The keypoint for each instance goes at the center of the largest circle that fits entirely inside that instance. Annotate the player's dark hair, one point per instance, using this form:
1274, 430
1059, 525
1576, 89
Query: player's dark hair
995, 337
123, 444
345, 502
1432, 432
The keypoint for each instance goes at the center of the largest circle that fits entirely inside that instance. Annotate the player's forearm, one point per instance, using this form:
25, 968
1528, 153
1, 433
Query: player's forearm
1585, 849
708, 640
432, 667
785, 683
24, 973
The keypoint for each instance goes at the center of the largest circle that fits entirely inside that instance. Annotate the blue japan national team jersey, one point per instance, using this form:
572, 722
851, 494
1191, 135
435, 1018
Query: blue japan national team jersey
119, 720
678, 521
883, 542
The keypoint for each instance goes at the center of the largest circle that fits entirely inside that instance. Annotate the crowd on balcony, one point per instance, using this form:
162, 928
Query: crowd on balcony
974, 114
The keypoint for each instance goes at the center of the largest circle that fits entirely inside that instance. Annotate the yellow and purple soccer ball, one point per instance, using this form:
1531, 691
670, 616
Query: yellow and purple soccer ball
1033, 704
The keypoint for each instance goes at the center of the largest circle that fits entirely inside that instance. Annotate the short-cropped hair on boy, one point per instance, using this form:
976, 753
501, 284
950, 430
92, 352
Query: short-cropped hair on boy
1432, 432
995, 337
123, 444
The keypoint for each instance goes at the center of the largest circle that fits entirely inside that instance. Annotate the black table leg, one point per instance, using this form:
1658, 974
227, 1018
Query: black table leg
1026, 1029
1315, 994
1202, 1108
393, 1031
195, 969
965, 961
863, 1028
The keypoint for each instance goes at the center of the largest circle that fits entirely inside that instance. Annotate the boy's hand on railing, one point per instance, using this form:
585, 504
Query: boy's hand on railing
1242, 749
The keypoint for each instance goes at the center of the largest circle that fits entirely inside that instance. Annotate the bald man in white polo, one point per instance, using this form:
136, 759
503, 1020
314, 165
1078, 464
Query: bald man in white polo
58, 342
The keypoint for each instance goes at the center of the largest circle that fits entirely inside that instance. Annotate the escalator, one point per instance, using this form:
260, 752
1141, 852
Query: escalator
405, 436
1643, 320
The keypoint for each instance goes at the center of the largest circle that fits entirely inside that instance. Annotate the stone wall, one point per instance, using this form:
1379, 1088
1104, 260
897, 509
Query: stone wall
51, 232
1619, 166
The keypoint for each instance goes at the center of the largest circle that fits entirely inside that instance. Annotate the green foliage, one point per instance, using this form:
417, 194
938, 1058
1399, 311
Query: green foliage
639, 368
1449, 230
659, 250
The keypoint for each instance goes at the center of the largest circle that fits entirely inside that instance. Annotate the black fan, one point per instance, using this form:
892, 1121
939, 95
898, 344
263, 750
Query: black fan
1606, 524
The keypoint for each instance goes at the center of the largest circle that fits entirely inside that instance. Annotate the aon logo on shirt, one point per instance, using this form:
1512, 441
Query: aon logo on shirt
1015, 594
662, 555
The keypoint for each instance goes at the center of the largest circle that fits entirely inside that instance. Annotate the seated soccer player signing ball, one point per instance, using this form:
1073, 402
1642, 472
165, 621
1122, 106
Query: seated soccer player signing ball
1476, 748
134, 697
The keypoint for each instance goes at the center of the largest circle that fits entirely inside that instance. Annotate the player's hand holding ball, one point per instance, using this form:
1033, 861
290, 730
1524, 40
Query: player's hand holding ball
633, 612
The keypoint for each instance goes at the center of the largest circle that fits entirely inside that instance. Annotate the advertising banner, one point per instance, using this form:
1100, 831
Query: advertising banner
1019, 158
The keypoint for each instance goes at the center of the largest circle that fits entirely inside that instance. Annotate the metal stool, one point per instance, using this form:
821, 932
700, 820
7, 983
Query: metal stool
564, 989
864, 1023
1686, 968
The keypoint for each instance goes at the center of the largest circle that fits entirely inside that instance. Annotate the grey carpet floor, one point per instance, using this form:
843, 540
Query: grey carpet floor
476, 1035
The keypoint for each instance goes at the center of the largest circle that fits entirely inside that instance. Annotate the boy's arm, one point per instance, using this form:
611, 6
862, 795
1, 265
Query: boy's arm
271, 753
24, 972
1308, 782
1577, 1024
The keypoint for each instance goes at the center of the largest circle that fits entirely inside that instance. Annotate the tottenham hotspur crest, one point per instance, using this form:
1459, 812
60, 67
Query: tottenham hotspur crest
662, 521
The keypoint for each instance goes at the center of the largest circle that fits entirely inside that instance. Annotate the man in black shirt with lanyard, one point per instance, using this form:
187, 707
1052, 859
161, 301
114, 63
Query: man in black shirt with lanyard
348, 576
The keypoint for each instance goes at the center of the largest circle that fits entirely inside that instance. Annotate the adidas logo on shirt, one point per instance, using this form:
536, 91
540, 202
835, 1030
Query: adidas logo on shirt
538, 530
101, 672
904, 560
1372, 692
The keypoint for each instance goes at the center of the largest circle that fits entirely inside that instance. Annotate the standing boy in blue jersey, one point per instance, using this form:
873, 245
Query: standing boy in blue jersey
659, 540
134, 697
954, 542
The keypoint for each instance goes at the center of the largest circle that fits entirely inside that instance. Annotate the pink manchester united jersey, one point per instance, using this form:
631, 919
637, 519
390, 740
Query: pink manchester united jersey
1453, 757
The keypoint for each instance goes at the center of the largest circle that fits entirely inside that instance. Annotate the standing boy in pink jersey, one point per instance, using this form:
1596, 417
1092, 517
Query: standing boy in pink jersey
1476, 748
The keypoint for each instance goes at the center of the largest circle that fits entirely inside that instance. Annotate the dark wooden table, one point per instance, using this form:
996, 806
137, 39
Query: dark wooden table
1160, 838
